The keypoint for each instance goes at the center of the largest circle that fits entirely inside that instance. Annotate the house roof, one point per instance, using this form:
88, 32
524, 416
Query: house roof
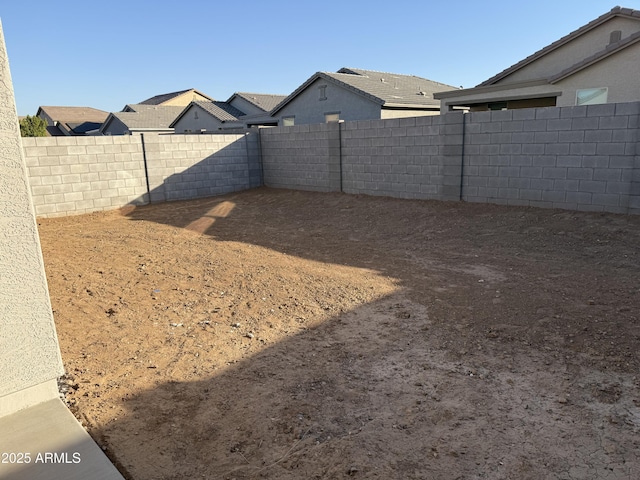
165, 97
386, 89
264, 101
78, 120
616, 11
74, 114
221, 111
152, 117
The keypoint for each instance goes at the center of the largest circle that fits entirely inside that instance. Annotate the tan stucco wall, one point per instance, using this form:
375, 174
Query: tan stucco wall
574, 51
386, 113
619, 72
29, 351
185, 99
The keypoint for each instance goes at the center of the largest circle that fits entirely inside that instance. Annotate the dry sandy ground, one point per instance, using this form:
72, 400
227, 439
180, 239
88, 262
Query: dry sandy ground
291, 335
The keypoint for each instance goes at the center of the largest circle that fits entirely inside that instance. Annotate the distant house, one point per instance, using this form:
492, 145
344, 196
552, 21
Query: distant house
177, 99
354, 94
597, 63
153, 115
141, 118
199, 117
72, 121
257, 107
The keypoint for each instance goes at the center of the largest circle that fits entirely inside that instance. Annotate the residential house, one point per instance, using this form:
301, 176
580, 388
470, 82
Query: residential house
177, 99
256, 107
72, 121
354, 94
597, 63
141, 118
153, 115
200, 117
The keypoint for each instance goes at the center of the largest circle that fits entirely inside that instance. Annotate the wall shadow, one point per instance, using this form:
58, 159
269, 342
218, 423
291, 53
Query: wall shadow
234, 167
413, 364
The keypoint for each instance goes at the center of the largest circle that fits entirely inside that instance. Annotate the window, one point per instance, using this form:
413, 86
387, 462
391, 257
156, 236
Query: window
323, 92
288, 121
591, 96
332, 117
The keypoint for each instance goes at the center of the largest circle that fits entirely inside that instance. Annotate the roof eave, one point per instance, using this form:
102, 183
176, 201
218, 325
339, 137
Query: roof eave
488, 89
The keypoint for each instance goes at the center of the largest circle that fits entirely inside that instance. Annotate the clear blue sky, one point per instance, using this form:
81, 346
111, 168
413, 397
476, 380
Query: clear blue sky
108, 54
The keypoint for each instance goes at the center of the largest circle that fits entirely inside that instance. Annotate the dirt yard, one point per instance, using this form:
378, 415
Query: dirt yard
292, 335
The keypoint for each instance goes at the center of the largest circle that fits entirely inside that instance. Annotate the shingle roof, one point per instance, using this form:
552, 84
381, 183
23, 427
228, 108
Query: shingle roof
221, 110
381, 87
75, 114
165, 97
264, 101
616, 11
158, 116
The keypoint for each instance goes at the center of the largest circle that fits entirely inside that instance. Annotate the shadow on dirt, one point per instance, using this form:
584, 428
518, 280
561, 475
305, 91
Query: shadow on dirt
470, 369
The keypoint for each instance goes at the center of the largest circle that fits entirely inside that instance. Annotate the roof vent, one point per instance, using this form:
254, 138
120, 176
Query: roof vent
382, 80
615, 37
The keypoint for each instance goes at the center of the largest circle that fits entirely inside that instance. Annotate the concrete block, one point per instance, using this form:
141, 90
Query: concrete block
63, 188
631, 108
583, 198
519, 183
559, 124
571, 136
531, 172
552, 196
584, 123
566, 185
592, 186
546, 137
533, 148
603, 110
580, 173
541, 184
618, 188
508, 193
621, 161
606, 199
534, 125
569, 161
530, 194
607, 174
554, 172
610, 149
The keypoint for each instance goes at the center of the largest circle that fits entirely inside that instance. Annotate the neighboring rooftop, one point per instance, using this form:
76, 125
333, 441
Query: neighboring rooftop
169, 98
387, 89
147, 117
71, 120
264, 101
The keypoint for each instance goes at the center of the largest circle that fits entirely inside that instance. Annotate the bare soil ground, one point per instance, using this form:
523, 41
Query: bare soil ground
293, 335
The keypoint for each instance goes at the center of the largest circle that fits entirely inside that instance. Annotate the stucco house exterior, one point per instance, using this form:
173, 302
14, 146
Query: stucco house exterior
72, 121
177, 99
200, 117
256, 107
597, 63
355, 94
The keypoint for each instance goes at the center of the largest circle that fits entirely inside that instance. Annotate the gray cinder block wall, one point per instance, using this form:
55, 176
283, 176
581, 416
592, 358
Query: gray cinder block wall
584, 158
182, 167
73, 175
578, 158
407, 158
30, 361
304, 157
84, 174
